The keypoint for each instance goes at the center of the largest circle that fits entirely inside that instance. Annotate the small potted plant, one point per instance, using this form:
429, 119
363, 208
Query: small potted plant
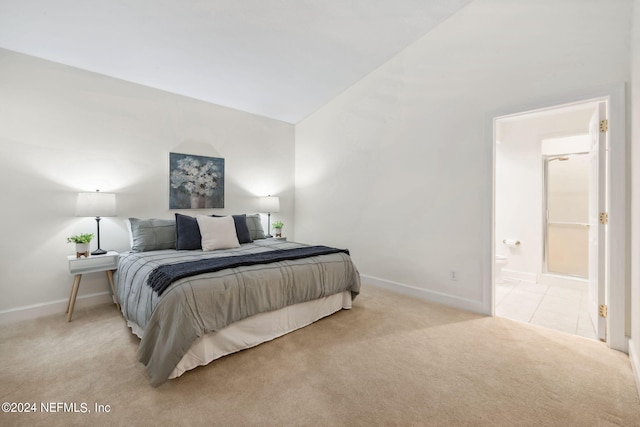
82, 242
277, 228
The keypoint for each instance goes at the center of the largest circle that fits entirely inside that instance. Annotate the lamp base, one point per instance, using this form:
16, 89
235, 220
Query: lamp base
99, 252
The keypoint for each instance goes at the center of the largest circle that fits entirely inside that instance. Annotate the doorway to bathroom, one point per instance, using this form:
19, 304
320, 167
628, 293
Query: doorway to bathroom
550, 188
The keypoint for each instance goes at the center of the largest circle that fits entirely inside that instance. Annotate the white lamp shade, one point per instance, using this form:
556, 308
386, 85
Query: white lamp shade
269, 204
96, 204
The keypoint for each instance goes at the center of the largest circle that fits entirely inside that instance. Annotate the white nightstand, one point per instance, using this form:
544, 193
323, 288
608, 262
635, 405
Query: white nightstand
92, 264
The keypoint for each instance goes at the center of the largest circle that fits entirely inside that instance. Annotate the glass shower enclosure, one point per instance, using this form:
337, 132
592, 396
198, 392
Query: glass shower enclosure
566, 215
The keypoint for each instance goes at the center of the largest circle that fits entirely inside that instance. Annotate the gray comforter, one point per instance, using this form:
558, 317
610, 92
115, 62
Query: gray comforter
194, 306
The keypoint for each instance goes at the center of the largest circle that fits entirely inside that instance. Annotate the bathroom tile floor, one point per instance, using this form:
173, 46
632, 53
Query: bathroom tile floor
562, 307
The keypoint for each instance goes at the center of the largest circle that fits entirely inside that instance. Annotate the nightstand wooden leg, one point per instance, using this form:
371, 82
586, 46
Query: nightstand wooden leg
72, 297
113, 288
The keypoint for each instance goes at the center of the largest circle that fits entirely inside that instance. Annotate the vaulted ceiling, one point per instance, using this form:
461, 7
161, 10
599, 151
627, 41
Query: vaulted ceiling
281, 59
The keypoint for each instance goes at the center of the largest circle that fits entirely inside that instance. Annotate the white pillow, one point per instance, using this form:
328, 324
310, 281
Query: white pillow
217, 232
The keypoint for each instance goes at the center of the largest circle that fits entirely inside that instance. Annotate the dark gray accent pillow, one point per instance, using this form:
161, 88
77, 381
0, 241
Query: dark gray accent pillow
152, 234
188, 236
242, 229
254, 223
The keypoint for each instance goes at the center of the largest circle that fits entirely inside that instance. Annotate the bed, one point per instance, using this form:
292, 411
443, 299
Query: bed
190, 306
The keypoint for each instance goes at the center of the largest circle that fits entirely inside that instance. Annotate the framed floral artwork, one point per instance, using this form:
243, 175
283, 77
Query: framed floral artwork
195, 182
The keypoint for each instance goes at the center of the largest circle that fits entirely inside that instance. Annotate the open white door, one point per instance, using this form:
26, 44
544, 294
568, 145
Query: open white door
597, 224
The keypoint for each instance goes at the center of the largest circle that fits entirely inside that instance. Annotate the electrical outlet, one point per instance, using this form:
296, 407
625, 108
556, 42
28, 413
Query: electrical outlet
453, 275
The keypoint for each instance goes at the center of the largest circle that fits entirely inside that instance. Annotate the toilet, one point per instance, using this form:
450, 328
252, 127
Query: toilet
500, 262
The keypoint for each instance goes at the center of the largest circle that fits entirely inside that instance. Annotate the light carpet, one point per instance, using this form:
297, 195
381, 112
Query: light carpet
391, 360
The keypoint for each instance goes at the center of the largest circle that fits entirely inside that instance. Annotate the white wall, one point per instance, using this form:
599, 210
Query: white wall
519, 184
398, 167
634, 343
63, 130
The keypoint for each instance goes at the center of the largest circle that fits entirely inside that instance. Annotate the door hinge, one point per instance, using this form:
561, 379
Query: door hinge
604, 218
602, 310
604, 125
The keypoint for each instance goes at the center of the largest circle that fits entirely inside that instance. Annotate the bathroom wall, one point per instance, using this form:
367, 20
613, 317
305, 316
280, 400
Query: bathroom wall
633, 302
519, 184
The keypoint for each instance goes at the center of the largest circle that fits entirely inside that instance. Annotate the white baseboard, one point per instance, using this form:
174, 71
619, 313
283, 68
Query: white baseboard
520, 275
425, 294
634, 357
55, 307
559, 280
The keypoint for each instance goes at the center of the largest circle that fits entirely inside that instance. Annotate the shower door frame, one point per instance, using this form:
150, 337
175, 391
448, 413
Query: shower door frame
545, 215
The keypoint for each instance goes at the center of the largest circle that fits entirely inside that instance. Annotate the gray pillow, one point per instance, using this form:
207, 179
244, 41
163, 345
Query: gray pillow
152, 234
254, 223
